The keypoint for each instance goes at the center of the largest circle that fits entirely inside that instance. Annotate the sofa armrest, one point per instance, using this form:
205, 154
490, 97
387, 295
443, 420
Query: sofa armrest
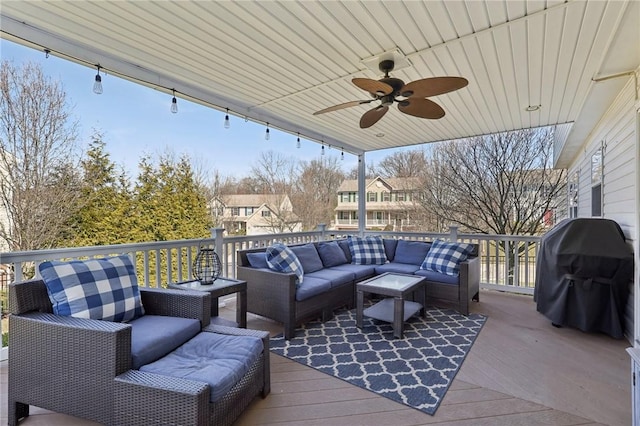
269, 293
470, 279
177, 303
142, 398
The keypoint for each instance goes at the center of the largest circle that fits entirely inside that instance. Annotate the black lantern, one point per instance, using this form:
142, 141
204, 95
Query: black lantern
206, 267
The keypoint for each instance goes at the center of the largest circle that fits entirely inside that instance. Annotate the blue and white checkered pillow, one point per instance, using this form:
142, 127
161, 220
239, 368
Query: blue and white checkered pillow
280, 258
445, 258
103, 289
367, 250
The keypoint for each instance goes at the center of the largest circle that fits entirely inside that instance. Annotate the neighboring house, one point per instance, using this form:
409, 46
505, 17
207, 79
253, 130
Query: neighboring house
389, 204
254, 214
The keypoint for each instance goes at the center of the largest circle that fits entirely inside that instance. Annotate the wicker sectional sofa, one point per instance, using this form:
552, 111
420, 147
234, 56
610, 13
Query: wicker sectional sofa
330, 284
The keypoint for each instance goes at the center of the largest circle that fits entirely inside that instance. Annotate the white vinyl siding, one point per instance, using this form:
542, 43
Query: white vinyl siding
616, 131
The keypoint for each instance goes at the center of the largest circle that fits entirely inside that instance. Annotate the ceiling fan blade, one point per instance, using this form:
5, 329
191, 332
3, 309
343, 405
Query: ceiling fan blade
423, 108
372, 116
373, 86
433, 86
341, 106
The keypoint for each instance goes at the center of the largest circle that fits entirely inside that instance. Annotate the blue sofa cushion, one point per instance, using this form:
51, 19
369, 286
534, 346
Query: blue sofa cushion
412, 252
219, 360
367, 250
344, 245
102, 289
445, 257
308, 257
257, 260
438, 277
331, 254
335, 276
312, 287
280, 258
360, 271
401, 268
390, 248
154, 336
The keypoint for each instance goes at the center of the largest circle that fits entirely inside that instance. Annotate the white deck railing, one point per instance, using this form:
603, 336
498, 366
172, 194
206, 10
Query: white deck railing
508, 261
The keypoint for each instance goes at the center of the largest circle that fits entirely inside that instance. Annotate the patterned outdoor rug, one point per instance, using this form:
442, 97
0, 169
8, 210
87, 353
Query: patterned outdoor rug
415, 370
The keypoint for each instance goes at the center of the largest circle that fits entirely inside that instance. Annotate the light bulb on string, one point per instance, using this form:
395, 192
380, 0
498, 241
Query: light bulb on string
97, 85
174, 103
267, 136
342, 156
227, 122
322, 153
298, 141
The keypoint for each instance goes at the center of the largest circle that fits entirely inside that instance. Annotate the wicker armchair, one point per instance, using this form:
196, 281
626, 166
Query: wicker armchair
82, 367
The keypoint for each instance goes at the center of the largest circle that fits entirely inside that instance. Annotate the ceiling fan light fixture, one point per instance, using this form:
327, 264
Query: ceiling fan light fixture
533, 108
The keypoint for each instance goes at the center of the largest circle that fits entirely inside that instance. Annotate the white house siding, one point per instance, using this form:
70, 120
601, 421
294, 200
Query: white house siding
617, 134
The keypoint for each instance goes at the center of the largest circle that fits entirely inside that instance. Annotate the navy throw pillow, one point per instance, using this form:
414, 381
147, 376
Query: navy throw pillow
331, 254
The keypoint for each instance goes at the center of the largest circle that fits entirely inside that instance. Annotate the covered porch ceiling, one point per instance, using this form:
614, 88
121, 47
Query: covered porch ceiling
280, 61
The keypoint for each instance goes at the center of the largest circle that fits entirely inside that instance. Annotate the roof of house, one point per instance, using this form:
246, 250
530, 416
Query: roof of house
394, 184
253, 200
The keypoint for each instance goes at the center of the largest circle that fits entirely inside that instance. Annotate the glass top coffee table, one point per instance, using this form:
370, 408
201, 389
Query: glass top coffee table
394, 309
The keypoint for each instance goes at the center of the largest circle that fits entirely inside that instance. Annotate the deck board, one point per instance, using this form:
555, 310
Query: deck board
520, 371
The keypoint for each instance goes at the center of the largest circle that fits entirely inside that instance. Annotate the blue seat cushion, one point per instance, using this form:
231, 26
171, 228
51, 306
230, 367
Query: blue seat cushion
390, 248
360, 271
438, 277
217, 359
344, 245
411, 252
401, 268
336, 277
331, 254
154, 336
312, 287
308, 257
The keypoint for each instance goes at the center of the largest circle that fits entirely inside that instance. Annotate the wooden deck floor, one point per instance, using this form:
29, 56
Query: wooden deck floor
520, 371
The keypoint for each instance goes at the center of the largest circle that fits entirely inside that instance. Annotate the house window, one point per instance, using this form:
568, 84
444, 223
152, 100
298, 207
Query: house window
386, 196
596, 183
235, 211
248, 211
400, 196
573, 196
372, 196
266, 213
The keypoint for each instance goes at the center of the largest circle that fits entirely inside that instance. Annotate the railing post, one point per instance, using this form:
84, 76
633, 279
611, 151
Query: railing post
322, 227
216, 234
453, 233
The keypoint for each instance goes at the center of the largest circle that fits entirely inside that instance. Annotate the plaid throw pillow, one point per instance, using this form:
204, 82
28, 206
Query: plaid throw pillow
367, 251
103, 289
445, 258
280, 258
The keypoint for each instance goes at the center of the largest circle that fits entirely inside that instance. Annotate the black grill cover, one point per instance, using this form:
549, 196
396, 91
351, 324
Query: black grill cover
583, 271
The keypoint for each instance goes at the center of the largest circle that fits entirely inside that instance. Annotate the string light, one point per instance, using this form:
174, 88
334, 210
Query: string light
97, 85
46, 53
322, 153
227, 122
342, 156
174, 102
267, 136
298, 141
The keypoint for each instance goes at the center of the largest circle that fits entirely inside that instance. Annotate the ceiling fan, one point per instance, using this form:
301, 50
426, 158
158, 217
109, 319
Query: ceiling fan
411, 97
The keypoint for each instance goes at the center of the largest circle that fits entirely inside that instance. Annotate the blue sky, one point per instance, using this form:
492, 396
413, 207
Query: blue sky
136, 121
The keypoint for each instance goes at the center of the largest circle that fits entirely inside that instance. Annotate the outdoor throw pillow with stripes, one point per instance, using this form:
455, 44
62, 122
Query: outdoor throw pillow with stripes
280, 258
445, 258
103, 289
367, 250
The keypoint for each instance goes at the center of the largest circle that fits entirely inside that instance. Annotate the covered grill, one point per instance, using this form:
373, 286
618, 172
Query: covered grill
583, 271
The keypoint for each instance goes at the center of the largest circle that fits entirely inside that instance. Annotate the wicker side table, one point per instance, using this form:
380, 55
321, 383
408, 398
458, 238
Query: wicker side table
221, 287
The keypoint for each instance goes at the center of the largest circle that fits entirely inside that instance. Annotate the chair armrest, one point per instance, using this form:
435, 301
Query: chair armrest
143, 398
469, 278
72, 354
177, 303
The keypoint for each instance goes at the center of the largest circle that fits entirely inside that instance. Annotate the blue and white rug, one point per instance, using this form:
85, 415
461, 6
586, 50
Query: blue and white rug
415, 370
